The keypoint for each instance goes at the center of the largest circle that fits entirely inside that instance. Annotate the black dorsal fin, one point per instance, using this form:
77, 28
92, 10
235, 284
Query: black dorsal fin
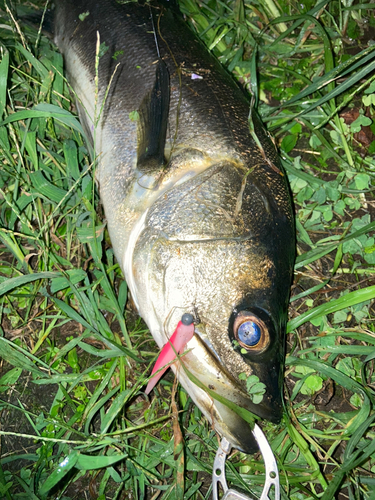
153, 122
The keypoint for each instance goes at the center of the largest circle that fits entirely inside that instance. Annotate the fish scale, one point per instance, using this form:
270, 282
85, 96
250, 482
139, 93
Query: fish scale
198, 209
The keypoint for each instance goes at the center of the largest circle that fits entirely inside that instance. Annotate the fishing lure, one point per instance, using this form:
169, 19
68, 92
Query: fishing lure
181, 336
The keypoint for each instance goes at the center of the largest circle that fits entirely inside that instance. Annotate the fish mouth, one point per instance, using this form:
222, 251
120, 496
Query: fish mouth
221, 398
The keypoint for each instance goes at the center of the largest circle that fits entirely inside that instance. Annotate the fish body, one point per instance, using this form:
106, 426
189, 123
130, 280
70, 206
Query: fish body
200, 216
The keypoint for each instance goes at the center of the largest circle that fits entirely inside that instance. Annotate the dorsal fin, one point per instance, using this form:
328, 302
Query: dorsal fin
153, 122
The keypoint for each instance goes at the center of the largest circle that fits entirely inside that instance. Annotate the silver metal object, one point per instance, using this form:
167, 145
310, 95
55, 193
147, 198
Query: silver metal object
271, 489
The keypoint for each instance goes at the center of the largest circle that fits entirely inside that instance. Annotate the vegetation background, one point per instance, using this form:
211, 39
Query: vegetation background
74, 421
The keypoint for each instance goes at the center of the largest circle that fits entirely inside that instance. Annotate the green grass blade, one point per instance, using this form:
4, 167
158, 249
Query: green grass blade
347, 300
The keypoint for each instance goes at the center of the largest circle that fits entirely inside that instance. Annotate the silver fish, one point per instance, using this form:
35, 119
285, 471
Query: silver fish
198, 211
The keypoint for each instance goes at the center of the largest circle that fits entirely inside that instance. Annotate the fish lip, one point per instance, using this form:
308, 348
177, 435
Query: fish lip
217, 378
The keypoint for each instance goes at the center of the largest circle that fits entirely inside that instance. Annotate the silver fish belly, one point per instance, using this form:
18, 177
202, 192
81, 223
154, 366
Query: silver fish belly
199, 216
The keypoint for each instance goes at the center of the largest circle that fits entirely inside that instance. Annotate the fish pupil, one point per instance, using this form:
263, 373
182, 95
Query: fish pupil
249, 333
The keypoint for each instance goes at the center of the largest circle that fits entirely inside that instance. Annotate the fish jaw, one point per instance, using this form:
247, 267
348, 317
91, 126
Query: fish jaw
199, 362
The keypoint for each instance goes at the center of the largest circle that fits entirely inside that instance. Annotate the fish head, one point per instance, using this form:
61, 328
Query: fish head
220, 246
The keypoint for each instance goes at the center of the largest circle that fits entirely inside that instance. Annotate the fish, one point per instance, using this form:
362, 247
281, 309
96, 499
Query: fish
197, 205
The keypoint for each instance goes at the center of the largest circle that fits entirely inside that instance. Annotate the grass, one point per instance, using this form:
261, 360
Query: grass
74, 418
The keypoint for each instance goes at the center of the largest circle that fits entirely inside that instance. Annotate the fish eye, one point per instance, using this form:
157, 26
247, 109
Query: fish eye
250, 332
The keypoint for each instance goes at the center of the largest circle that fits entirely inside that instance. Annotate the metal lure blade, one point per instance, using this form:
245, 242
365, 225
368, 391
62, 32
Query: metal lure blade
271, 489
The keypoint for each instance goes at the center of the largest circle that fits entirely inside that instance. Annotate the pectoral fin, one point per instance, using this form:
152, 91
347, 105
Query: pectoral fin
153, 122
